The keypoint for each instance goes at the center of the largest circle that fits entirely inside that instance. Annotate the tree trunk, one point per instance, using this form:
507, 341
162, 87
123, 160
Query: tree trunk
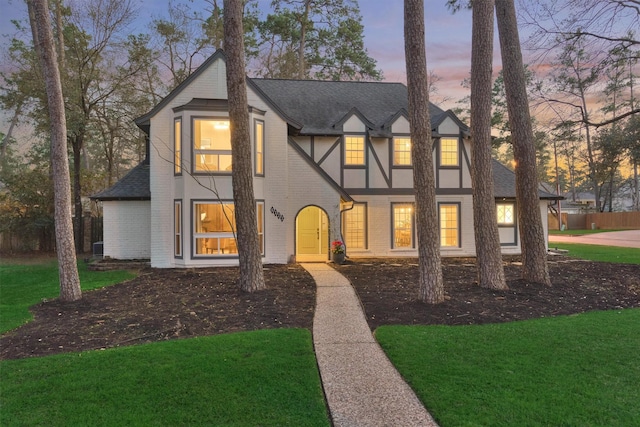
76, 145
303, 39
431, 284
485, 226
534, 248
251, 273
68, 269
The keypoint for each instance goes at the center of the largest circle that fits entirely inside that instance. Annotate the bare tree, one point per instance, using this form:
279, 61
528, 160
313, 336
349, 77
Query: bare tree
251, 273
485, 226
45, 47
431, 283
534, 253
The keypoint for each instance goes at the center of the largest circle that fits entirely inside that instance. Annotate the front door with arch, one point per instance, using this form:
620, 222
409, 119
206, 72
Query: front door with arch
312, 235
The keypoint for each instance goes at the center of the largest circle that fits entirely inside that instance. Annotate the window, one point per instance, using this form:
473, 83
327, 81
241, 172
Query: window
449, 152
354, 150
259, 136
402, 151
402, 225
177, 221
212, 145
215, 226
177, 146
354, 226
449, 225
260, 218
506, 212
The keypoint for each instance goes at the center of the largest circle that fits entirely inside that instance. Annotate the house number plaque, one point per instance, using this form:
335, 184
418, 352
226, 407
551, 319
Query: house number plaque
277, 214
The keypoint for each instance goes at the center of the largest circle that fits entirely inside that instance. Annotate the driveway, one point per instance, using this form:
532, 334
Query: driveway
626, 239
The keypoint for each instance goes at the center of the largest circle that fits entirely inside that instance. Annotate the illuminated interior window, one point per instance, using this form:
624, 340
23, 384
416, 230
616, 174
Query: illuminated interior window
212, 145
506, 212
354, 226
260, 218
177, 146
402, 151
403, 225
354, 150
449, 226
259, 149
449, 152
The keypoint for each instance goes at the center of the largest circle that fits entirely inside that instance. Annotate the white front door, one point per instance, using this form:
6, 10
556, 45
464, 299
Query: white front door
312, 235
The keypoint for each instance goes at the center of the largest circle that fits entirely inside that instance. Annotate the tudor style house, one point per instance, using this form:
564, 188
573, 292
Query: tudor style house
331, 160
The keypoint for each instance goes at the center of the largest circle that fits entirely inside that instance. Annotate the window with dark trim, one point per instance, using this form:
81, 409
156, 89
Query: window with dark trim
505, 213
354, 150
449, 152
212, 145
402, 225
177, 146
449, 224
354, 226
259, 147
177, 221
402, 151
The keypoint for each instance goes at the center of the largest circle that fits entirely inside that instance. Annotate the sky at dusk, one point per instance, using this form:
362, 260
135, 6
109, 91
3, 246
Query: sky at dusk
448, 37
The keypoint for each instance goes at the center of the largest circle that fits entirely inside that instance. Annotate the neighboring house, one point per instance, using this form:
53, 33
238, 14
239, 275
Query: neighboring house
331, 161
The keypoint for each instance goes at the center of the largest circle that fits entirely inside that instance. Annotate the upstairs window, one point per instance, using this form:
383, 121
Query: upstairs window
449, 153
177, 146
354, 150
402, 151
212, 145
259, 148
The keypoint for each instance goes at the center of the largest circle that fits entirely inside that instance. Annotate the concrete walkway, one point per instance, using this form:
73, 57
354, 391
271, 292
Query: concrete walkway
361, 385
625, 239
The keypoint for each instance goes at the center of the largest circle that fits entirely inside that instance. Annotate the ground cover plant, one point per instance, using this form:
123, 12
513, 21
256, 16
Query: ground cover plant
266, 378
26, 284
579, 370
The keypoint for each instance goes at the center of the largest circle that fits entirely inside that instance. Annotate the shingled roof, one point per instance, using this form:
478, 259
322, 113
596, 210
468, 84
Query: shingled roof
504, 183
133, 186
321, 106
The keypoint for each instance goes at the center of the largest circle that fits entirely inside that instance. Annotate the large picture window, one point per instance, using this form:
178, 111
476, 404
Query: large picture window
402, 152
212, 145
506, 213
354, 226
259, 147
402, 225
177, 146
215, 227
449, 154
354, 150
449, 225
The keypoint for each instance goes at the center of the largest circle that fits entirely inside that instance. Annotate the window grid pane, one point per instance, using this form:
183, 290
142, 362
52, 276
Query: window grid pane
212, 145
448, 152
354, 227
403, 226
505, 213
354, 150
402, 151
448, 225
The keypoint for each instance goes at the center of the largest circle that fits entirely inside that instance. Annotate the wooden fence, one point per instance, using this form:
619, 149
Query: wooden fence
601, 221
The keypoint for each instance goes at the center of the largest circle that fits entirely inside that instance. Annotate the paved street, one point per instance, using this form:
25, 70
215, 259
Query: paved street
626, 239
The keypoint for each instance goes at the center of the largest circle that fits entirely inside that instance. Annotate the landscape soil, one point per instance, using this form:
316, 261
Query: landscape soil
162, 304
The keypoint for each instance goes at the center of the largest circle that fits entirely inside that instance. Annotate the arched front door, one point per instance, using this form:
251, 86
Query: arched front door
312, 235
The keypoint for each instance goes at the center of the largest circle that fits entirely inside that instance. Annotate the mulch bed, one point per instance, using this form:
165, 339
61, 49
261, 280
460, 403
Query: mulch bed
163, 304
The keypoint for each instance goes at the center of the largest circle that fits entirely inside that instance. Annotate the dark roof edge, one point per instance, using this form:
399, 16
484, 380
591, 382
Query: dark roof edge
144, 119
293, 123
320, 171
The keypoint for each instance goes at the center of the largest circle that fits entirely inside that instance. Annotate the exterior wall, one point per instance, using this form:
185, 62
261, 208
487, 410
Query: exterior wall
127, 229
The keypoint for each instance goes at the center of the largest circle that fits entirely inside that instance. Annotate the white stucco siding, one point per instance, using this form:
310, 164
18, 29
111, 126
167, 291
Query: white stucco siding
448, 127
400, 126
353, 125
127, 229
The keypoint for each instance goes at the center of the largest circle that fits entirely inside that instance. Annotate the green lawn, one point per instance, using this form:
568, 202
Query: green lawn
577, 370
266, 378
600, 253
23, 285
